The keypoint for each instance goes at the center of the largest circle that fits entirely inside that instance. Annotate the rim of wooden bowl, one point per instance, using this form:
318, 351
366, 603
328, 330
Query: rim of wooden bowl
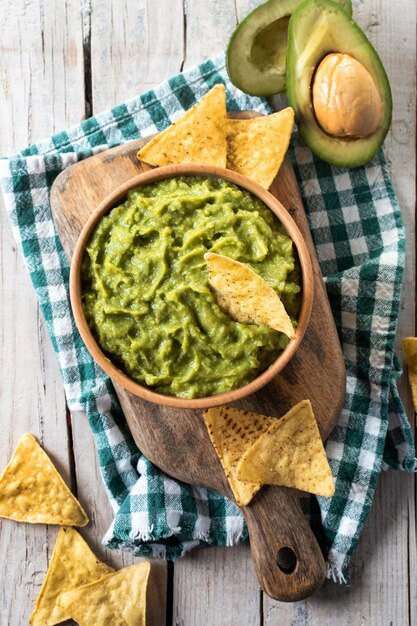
282, 215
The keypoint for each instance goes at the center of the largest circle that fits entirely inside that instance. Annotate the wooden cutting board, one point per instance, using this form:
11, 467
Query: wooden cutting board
287, 558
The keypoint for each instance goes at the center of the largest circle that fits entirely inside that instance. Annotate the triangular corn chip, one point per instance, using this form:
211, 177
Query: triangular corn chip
290, 453
31, 489
118, 599
245, 295
199, 136
256, 147
231, 432
72, 564
410, 354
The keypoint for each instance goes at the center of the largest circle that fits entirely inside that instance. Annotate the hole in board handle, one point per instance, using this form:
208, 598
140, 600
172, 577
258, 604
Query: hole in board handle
287, 560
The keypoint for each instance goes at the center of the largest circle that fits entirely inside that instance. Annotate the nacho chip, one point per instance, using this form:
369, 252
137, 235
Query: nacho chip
31, 489
118, 599
245, 295
290, 453
231, 432
410, 354
199, 136
72, 564
256, 147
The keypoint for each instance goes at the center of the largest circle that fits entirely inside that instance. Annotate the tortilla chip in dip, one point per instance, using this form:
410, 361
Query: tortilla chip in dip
118, 599
231, 432
245, 295
290, 453
410, 354
199, 136
256, 147
72, 564
32, 490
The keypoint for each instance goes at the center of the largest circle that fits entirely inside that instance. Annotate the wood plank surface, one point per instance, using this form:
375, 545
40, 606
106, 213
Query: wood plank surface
224, 589
37, 95
57, 59
134, 46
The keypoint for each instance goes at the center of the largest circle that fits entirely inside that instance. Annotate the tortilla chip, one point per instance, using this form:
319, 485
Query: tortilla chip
72, 564
231, 432
31, 489
245, 295
410, 354
199, 136
256, 147
290, 453
118, 599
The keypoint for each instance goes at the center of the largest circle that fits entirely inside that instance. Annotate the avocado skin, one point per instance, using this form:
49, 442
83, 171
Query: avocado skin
243, 72
334, 150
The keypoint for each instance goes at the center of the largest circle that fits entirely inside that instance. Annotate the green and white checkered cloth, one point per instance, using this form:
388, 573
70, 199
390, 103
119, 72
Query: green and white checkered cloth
357, 229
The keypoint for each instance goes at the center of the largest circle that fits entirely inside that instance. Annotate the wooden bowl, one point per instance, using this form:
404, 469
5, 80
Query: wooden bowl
116, 198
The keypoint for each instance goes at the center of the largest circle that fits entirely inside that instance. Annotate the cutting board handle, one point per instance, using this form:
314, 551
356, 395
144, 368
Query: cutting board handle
288, 560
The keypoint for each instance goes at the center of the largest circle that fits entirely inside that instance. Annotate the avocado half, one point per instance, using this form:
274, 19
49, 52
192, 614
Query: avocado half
257, 49
318, 28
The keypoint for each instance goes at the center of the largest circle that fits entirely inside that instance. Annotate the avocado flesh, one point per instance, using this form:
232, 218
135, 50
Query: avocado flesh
318, 28
269, 48
256, 53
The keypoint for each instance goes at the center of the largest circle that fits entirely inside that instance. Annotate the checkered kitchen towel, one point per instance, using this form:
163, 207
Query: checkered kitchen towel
357, 229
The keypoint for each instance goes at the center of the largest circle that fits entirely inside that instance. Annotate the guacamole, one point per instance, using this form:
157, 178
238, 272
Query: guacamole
146, 295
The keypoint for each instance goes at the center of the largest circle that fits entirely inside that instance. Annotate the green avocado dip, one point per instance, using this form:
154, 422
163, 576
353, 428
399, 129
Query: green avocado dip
145, 285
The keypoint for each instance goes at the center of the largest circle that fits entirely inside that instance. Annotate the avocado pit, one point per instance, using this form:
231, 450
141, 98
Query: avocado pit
345, 98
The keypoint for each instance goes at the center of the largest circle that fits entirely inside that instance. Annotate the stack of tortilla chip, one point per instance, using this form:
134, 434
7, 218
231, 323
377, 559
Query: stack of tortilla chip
204, 135
79, 586
257, 450
72, 565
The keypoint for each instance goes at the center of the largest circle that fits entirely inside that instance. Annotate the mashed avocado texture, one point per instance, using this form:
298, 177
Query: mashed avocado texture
145, 285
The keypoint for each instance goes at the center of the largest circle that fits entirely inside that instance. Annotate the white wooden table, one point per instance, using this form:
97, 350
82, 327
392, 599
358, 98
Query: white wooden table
59, 62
